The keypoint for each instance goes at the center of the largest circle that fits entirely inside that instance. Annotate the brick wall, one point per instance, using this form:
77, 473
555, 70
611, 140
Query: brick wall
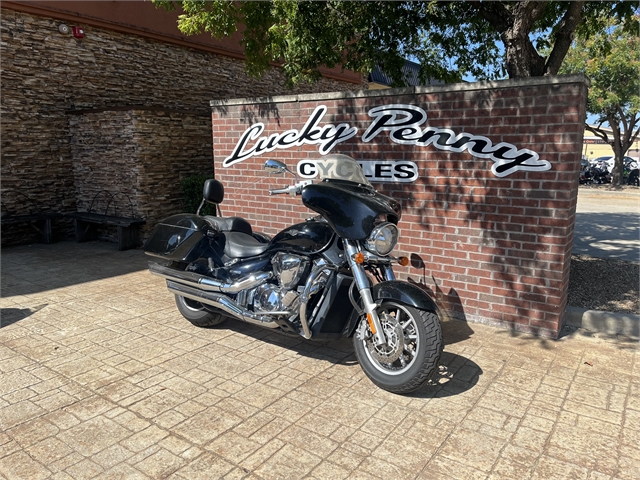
45, 74
491, 249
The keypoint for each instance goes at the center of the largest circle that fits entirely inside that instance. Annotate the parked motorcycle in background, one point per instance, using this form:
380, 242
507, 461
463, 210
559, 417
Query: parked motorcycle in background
328, 277
595, 172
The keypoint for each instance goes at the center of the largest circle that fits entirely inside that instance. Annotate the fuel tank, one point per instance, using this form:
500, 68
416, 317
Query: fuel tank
304, 238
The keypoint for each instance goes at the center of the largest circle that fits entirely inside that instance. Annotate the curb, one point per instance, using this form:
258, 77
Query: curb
601, 192
627, 324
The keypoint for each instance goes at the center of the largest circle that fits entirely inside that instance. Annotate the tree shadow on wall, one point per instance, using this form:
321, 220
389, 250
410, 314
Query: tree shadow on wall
459, 200
449, 305
250, 113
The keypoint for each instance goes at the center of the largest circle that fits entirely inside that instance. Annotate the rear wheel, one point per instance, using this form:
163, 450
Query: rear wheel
634, 178
412, 353
197, 314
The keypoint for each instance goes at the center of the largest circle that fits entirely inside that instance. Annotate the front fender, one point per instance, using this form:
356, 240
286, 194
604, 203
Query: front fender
398, 291
405, 293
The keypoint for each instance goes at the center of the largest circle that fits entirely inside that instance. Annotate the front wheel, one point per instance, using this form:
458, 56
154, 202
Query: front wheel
412, 352
197, 314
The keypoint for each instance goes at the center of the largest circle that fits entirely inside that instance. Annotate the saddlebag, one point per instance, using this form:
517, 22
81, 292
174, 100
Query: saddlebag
180, 238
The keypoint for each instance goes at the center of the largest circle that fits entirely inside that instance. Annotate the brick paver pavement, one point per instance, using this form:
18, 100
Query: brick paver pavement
100, 377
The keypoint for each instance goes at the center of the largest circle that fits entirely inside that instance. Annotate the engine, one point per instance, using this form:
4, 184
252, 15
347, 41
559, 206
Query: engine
289, 269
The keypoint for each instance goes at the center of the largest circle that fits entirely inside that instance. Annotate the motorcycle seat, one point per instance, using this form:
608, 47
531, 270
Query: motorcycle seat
230, 224
241, 245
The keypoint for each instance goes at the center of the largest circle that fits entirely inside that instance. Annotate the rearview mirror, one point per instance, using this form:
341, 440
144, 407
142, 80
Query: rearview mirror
275, 167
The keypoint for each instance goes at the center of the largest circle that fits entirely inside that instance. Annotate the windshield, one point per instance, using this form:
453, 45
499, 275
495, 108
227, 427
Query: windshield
340, 167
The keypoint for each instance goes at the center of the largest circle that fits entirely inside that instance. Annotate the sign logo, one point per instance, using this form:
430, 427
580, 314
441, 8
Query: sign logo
386, 171
404, 124
311, 134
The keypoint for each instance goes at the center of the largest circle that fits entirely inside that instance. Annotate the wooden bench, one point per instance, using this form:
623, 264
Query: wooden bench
85, 225
40, 222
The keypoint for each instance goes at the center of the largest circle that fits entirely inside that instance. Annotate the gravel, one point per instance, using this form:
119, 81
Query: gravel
604, 284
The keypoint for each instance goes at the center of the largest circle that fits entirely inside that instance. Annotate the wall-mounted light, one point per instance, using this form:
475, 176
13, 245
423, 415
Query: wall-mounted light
77, 32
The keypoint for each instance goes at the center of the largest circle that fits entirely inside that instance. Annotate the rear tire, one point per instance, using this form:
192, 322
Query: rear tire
197, 314
422, 338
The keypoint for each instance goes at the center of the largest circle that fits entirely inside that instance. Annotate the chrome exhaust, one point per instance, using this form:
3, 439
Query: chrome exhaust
222, 302
209, 284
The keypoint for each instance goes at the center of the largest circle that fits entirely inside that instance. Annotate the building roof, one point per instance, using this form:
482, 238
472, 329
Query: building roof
410, 75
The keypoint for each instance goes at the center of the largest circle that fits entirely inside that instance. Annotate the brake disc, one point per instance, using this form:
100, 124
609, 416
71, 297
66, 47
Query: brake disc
391, 351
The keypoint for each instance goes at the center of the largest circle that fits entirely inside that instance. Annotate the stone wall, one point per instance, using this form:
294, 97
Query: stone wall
45, 74
131, 162
491, 243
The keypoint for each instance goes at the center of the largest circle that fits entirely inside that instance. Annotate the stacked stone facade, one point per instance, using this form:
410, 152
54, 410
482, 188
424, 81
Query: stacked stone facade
46, 76
134, 165
489, 248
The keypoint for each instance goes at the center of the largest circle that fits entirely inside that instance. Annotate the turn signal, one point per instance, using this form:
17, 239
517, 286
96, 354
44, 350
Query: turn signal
404, 261
359, 257
372, 326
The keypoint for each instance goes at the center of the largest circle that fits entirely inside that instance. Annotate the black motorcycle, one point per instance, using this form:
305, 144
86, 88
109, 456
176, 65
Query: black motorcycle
330, 276
599, 174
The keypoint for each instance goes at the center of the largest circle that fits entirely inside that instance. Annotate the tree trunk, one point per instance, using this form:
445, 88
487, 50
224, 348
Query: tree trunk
521, 57
618, 164
515, 20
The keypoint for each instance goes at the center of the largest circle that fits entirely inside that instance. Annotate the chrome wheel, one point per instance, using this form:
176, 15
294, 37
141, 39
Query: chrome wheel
411, 354
403, 342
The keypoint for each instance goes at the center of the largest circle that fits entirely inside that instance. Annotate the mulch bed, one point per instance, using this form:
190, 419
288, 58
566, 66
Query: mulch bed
603, 284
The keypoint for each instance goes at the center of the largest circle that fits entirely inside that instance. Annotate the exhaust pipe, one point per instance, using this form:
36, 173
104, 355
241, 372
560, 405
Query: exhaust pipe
222, 302
209, 284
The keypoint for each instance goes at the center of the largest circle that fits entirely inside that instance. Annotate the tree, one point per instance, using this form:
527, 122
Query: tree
449, 39
611, 60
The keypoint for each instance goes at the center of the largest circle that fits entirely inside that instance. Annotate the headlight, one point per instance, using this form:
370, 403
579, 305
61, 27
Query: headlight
382, 239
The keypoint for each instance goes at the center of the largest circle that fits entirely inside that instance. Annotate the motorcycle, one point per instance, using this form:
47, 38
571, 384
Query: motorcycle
330, 276
599, 174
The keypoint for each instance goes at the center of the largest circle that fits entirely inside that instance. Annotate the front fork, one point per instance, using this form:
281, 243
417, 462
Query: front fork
364, 287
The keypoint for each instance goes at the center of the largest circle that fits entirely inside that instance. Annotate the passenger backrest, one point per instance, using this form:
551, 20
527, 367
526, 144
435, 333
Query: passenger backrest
213, 191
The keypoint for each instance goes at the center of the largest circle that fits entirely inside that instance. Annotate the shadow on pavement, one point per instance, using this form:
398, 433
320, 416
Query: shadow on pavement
607, 235
29, 269
10, 316
456, 374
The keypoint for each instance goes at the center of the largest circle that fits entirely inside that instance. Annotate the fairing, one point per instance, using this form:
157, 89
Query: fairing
350, 208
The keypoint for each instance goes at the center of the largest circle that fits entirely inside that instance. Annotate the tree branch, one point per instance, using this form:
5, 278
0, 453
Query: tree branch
597, 132
622, 117
567, 26
629, 134
496, 13
527, 12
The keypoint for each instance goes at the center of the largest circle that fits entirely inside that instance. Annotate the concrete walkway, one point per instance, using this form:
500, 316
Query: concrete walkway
100, 377
608, 224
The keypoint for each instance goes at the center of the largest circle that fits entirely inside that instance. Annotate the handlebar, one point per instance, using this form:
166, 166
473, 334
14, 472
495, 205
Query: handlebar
277, 191
291, 189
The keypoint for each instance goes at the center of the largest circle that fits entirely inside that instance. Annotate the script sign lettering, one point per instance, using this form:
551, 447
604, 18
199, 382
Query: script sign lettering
404, 124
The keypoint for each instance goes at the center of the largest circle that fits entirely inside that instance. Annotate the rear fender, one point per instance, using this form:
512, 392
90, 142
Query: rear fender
397, 291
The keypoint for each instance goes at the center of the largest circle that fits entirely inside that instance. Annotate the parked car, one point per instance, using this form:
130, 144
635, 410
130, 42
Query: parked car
609, 161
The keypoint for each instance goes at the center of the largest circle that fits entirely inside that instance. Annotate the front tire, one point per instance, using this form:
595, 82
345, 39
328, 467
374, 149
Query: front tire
197, 314
418, 359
